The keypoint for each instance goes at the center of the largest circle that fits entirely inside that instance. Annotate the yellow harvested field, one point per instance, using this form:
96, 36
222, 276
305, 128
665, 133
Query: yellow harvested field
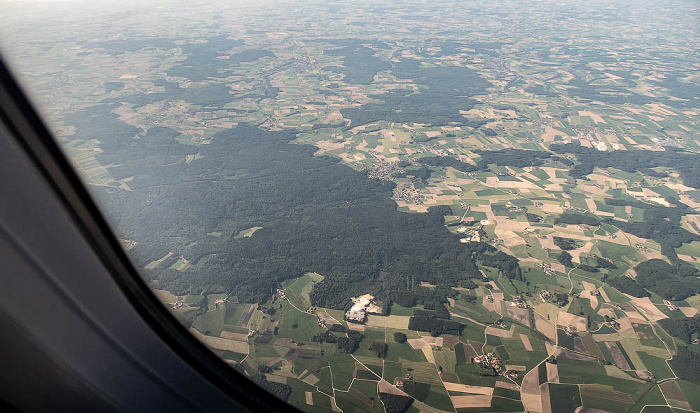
614, 371
648, 309
309, 398
221, 343
515, 367
471, 401
546, 400
596, 118
532, 402
311, 380
545, 327
165, 296
392, 321
593, 299
530, 392
428, 352
465, 388
507, 385
494, 182
418, 343
510, 238
568, 319
588, 286
688, 311
489, 305
234, 336
496, 331
521, 315
356, 327
386, 387
625, 325
526, 342
434, 341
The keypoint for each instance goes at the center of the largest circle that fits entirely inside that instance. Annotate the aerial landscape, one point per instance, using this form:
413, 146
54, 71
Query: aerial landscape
422, 206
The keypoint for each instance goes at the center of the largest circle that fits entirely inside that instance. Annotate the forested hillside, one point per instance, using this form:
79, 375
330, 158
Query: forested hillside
316, 215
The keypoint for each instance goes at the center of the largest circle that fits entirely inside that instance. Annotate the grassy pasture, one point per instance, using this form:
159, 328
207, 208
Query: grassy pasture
297, 290
566, 398
691, 392
343, 370
306, 324
652, 397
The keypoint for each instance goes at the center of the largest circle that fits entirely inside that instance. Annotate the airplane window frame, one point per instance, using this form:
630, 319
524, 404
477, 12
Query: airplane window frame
26, 126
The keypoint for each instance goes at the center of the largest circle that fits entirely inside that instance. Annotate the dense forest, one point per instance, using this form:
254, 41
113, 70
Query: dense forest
434, 325
448, 161
565, 259
445, 90
512, 157
628, 286
687, 364
687, 164
576, 218
661, 224
672, 282
316, 215
684, 328
566, 244
394, 403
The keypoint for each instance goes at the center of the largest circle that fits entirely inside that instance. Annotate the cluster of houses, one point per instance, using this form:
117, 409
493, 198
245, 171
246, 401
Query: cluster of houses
382, 170
490, 361
570, 330
641, 247
575, 209
399, 382
518, 302
546, 268
670, 305
471, 235
545, 295
409, 195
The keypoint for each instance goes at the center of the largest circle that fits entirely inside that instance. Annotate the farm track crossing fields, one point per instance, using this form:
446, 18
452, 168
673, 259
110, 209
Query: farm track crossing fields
674, 395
